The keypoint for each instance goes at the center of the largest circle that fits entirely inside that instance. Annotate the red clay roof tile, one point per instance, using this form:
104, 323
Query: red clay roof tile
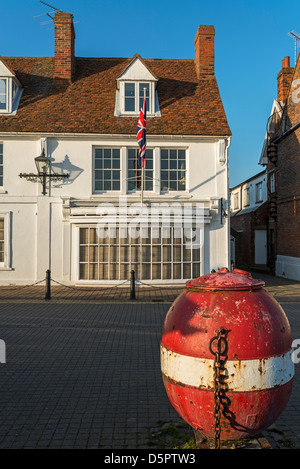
188, 106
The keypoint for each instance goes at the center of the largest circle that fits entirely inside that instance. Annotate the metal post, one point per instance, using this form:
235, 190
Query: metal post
142, 185
132, 285
48, 285
44, 182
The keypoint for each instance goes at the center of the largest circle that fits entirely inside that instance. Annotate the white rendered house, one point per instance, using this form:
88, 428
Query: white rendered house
96, 225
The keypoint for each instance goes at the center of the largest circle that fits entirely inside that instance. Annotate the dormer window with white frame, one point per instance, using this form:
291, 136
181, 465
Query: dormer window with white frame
10, 90
134, 96
130, 90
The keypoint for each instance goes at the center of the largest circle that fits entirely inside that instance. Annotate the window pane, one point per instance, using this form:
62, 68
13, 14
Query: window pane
164, 164
129, 89
129, 97
2, 94
107, 185
98, 185
146, 271
98, 153
98, 174
141, 87
84, 235
98, 163
173, 185
173, 164
1, 164
129, 104
83, 272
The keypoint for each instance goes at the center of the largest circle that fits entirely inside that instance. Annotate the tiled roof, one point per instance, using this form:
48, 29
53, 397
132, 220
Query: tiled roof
188, 106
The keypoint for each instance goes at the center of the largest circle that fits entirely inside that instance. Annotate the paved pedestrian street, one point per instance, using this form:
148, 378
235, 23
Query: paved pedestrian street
87, 374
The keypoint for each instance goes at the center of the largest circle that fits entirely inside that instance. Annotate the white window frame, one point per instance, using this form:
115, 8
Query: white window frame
168, 191
1, 165
137, 108
13, 95
246, 196
6, 264
272, 182
6, 109
258, 192
191, 260
120, 169
236, 201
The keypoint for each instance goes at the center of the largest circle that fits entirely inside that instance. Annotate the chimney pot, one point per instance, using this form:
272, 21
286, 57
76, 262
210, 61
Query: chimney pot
286, 62
284, 79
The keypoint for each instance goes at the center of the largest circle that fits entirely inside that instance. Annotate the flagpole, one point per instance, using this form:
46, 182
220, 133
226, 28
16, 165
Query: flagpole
142, 176
142, 185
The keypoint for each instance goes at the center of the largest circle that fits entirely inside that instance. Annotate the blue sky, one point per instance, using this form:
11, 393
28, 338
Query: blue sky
250, 42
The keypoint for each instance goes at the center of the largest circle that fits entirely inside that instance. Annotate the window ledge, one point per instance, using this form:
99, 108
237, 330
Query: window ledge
5, 268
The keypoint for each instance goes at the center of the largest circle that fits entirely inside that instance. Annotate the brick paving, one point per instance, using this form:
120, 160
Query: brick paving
83, 371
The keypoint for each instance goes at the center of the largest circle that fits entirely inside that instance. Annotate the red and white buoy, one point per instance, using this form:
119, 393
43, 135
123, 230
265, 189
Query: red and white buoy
255, 344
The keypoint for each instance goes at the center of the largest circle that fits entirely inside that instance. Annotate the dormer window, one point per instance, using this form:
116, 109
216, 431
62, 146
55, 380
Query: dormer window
134, 97
130, 90
10, 90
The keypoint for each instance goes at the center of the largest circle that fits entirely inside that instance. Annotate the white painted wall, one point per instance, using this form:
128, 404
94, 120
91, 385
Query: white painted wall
288, 267
239, 191
41, 238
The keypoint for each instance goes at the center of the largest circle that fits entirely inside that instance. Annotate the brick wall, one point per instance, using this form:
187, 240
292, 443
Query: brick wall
284, 80
64, 46
246, 224
205, 51
288, 176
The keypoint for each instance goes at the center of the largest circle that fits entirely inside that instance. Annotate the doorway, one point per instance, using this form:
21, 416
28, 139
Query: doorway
260, 245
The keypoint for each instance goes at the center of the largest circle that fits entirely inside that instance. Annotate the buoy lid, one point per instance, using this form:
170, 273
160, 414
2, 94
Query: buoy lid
226, 280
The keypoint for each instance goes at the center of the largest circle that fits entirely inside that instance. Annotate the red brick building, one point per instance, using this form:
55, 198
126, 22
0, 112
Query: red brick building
281, 156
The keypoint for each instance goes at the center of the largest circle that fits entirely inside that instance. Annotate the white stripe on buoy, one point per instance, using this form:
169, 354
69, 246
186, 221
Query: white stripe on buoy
241, 375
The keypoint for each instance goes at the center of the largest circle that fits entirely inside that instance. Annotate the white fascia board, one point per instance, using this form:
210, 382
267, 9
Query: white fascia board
117, 137
276, 107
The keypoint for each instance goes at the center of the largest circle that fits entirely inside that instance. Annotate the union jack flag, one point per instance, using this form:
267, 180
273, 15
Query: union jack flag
141, 135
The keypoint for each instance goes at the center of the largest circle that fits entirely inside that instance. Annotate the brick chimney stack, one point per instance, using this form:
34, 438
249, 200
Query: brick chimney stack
284, 79
205, 51
64, 60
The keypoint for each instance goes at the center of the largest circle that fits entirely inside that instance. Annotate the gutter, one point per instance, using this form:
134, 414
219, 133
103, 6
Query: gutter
287, 132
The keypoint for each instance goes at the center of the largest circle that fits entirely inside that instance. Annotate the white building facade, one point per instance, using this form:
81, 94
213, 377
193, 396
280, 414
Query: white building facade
250, 194
97, 225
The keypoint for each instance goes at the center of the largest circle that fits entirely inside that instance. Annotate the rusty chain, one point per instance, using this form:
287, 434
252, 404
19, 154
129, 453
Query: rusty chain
218, 379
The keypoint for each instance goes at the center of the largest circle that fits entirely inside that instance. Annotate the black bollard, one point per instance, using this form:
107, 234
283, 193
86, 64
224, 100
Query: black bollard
132, 285
48, 285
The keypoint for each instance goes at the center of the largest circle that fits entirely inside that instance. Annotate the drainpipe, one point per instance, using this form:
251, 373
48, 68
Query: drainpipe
228, 253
